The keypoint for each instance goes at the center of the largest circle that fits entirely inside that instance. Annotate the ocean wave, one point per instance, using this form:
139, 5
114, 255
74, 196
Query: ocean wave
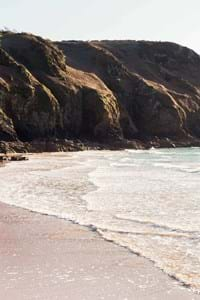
150, 211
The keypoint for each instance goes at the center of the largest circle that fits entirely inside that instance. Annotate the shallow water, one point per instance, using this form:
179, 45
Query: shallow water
148, 201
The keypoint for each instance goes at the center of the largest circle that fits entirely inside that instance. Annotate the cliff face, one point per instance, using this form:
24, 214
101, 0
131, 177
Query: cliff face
103, 91
46, 98
157, 83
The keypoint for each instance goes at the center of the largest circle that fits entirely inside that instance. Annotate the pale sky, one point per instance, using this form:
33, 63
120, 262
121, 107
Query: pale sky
166, 20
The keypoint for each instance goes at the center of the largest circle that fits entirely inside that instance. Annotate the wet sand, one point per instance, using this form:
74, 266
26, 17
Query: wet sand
43, 257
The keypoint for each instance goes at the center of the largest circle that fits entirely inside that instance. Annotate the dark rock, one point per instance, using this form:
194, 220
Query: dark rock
72, 96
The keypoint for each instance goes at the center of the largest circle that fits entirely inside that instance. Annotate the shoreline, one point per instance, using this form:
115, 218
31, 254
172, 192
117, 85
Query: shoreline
44, 257
65, 145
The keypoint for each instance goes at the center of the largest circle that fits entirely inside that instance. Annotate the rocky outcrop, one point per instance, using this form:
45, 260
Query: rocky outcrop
29, 105
157, 84
49, 99
7, 131
170, 65
99, 92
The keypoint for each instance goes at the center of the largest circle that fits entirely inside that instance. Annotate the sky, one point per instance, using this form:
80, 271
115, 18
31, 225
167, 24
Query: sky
159, 20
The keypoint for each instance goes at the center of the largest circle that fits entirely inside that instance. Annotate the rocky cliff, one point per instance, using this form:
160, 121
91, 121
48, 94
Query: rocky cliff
114, 93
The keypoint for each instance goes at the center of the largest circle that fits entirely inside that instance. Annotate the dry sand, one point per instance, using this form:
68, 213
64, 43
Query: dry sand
42, 257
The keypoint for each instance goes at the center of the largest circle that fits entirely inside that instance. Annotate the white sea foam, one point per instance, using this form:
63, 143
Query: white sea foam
147, 201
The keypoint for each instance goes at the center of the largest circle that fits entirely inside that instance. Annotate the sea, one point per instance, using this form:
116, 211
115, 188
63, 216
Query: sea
145, 200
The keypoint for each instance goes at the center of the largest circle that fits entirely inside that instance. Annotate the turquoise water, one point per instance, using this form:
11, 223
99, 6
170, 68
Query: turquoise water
148, 201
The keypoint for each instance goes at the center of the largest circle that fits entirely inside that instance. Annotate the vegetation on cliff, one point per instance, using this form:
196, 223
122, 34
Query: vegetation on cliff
99, 91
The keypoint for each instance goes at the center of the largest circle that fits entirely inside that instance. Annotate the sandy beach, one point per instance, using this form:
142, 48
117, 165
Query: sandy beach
43, 257
99, 150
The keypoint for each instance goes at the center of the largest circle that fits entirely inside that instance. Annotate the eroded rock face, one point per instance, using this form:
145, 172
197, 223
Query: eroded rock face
34, 52
56, 96
7, 131
170, 65
30, 105
157, 84
94, 59
101, 91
